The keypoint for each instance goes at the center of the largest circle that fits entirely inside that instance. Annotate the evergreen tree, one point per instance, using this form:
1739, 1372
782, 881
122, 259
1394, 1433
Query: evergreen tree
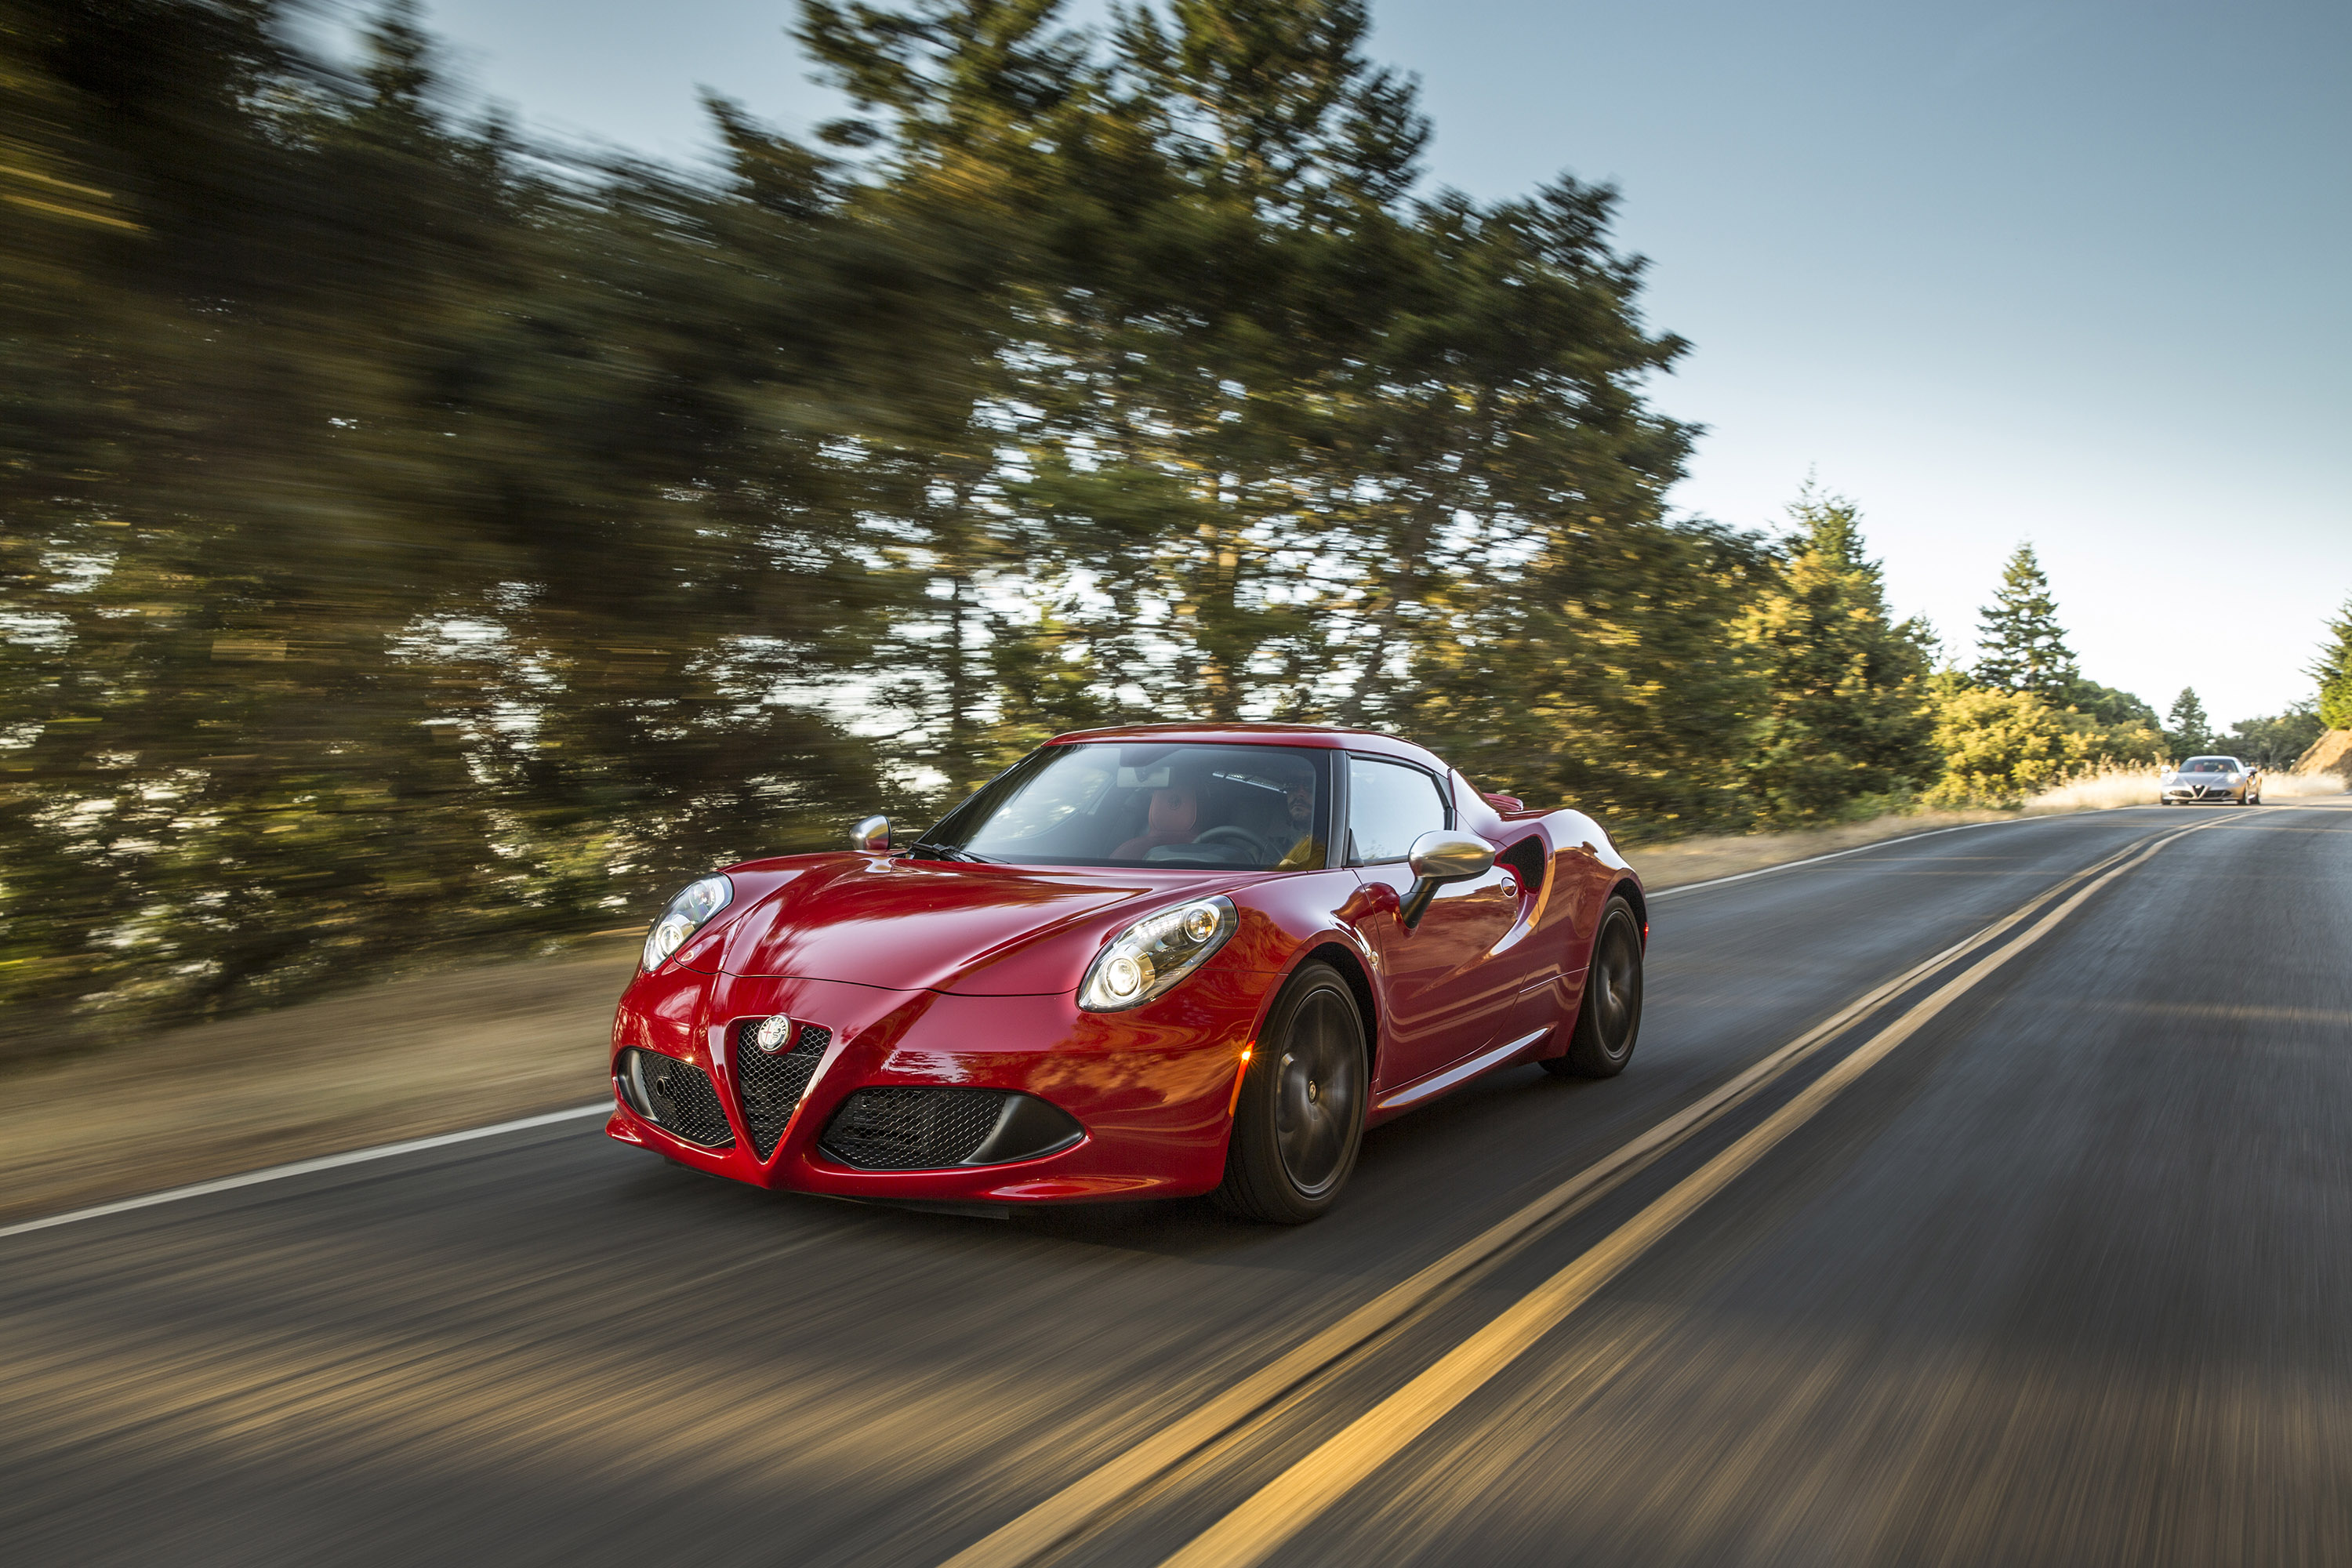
2112, 707
2332, 670
2276, 741
2187, 729
1847, 713
406, 548
2024, 649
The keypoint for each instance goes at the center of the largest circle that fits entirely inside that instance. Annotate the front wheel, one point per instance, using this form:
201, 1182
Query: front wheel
1610, 1019
1300, 1116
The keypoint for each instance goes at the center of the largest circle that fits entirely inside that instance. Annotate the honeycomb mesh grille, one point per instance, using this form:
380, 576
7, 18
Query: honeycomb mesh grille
771, 1085
911, 1129
681, 1100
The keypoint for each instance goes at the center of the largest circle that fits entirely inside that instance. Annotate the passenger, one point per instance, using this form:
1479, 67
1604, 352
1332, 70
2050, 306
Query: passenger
1174, 817
1297, 827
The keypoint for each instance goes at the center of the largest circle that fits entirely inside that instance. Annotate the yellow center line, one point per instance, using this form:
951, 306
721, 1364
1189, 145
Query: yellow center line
1259, 1527
1077, 1506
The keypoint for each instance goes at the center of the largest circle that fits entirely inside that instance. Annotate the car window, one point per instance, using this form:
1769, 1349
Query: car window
1046, 799
1176, 804
1389, 804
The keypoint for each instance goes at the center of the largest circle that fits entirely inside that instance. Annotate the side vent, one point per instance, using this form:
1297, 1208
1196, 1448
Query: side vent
1528, 862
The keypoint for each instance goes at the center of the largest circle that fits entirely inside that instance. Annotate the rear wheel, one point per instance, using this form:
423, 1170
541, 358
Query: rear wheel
1609, 1018
1300, 1118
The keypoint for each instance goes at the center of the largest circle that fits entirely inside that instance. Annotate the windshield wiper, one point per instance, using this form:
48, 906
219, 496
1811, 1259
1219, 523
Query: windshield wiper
947, 852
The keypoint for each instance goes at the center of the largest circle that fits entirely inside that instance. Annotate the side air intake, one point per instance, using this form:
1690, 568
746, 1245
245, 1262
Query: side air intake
674, 1096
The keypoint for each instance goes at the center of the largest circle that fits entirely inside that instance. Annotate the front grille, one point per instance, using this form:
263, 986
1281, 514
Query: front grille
911, 1129
771, 1085
675, 1097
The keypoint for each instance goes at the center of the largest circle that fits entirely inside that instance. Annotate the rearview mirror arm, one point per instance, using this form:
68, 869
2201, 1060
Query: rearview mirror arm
1437, 859
1417, 897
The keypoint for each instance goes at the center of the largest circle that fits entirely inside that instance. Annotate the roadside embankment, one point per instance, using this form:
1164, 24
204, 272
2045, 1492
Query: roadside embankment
2330, 754
1685, 860
420, 1055
405, 1057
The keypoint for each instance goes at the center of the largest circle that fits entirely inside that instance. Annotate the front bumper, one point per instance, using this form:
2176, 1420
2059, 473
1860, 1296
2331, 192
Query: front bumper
2234, 796
1149, 1087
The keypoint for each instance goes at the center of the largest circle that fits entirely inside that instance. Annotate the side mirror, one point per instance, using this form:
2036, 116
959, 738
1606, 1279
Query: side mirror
873, 835
1437, 859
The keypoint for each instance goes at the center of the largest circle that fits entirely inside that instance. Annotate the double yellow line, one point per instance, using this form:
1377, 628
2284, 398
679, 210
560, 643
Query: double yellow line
1260, 1526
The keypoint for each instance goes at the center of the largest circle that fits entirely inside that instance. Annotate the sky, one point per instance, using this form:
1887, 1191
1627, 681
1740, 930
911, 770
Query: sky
2070, 273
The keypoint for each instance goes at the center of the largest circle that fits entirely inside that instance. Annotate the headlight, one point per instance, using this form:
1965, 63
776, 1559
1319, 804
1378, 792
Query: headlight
687, 914
1155, 952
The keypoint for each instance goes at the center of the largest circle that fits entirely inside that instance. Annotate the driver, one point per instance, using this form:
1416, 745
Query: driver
1174, 817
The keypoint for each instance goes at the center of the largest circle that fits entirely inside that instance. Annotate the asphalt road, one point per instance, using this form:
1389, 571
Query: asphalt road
2061, 1277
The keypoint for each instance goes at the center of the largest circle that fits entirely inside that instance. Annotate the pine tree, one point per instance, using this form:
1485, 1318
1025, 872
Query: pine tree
1848, 714
2333, 672
2024, 647
2188, 730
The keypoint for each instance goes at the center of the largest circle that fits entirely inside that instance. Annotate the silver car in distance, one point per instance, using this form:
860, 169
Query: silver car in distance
2211, 778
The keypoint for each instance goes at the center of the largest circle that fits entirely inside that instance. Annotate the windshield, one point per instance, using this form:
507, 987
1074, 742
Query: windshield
1258, 808
2209, 766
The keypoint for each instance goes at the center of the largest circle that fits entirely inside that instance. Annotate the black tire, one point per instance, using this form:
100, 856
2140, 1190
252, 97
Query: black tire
1300, 1119
1609, 1020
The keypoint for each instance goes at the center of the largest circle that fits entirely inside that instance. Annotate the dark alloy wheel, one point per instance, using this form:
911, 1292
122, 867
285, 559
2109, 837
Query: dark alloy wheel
1300, 1118
1610, 1020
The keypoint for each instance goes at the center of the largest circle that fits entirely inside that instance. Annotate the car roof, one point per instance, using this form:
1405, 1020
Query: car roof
1235, 732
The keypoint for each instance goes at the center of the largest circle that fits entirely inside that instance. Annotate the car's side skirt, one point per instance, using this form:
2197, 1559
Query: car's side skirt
1457, 1074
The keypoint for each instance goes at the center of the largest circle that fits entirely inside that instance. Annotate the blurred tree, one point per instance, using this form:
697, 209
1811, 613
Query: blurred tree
2187, 729
403, 552
2000, 746
2333, 671
412, 541
2024, 649
217, 782
2276, 741
1848, 715
2112, 707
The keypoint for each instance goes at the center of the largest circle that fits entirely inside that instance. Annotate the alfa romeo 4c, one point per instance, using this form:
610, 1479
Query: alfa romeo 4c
1140, 962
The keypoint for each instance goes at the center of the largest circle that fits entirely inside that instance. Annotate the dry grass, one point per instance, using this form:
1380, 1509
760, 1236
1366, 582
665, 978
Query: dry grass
2101, 791
2300, 786
1699, 859
2112, 787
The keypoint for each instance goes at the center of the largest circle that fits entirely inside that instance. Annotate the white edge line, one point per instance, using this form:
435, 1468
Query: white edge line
304, 1167
1879, 844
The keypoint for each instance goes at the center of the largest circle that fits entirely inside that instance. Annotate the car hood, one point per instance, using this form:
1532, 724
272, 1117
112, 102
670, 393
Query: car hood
936, 925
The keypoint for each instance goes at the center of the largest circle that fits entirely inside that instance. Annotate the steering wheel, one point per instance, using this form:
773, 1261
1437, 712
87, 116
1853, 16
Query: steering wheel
1240, 838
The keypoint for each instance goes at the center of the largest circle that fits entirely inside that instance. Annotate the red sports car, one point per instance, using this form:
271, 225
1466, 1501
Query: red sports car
1149, 962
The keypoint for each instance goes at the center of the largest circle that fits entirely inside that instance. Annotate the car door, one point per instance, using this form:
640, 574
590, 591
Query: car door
1442, 999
